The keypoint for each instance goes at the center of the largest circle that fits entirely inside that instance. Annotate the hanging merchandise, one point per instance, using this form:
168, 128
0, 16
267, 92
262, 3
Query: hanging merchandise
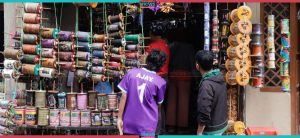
32, 18
237, 64
100, 38
102, 101
31, 28
54, 117
285, 55
98, 77
30, 59
48, 72
61, 100
46, 52
30, 116
32, 7
11, 53
92, 99
215, 36
19, 117
65, 36
206, 26
271, 42
48, 62
43, 114
240, 77
106, 118
83, 36
40, 98
65, 56
30, 39
112, 101
30, 69
71, 101
98, 46
75, 118
83, 46
82, 73
97, 62
10, 74
49, 43
99, 54
81, 101
96, 118
118, 42
83, 55
85, 116
29, 49
65, 117
115, 27
115, 18
70, 66
66, 46
50, 33
12, 64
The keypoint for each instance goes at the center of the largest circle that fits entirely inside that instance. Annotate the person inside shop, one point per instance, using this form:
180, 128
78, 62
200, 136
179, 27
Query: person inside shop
212, 108
157, 29
142, 94
182, 64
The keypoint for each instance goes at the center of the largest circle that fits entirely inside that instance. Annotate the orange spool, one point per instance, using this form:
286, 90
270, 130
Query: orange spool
100, 38
29, 49
241, 51
31, 28
32, 18
49, 62
243, 27
240, 77
257, 50
237, 64
258, 82
238, 39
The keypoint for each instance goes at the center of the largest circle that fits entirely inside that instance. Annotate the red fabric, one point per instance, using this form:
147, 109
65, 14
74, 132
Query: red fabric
161, 45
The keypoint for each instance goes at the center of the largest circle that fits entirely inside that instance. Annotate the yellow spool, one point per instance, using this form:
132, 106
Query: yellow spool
233, 16
239, 128
244, 12
235, 40
243, 27
240, 77
237, 64
241, 51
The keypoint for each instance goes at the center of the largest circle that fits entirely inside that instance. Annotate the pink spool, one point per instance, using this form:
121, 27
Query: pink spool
85, 116
54, 117
75, 118
82, 101
65, 117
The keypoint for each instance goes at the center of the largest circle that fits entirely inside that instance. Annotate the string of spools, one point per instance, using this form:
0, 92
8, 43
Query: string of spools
285, 55
238, 52
224, 37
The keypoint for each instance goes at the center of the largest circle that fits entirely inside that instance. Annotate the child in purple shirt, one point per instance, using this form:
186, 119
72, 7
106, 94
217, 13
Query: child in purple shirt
142, 93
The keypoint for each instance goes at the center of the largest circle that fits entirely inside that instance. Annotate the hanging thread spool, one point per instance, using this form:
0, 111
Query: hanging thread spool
66, 46
115, 18
66, 56
82, 73
5, 104
118, 42
285, 26
116, 57
48, 72
12, 64
256, 40
237, 64
100, 38
49, 43
285, 84
132, 55
54, 117
29, 49
112, 101
133, 63
242, 13
117, 50
43, 115
47, 52
52, 98
98, 46
271, 64
238, 39
83, 55
256, 29
284, 69
85, 116
83, 65
131, 47
30, 59
31, 18
49, 62
133, 38
115, 27
206, 26
61, 100
32, 7
98, 77
30, 97
75, 118
83, 36
271, 20
96, 118
97, 62
258, 82
238, 51
97, 69
258, 71
30, 116
71, 101
102, 101
81, 101
10, 74
116, 35
70, 66
65, 36
106, 118
243, 27
240, 77
99, 54
50, 33
31, 28
83, 46
30, 39
285, 54
19, 117
13, 54
115, 74
29, 69
40, 98
65, 117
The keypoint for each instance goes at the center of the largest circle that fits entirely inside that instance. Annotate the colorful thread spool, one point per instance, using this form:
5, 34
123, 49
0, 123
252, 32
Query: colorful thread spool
31, 28
133, 38
82, 101
29, 49
52, 99
102, 101
19, 117
132, 47
98, 77
49, 33
43, 116
66, 46
10, 74
49, 62
75, 118
65, 117
66, 56
100, 38
106, 118
256, 29
83, 55
47, 52
71, 101
15, 54
30, 116
82, 73
284, 69
258, 82
115, 18
30, 97
115, 27
285, 26
83, 46
271, 64
12, 64
256, 40
40, 98
132, 55
31, 18
116, 57
238, 39
271, 20
285, 41
83, 36
65, 36
96, 118
206, 26
116, 35
97, 69
98, 46
61, 100
47, 72
49, 43
115, 74
83, 65
240, 77
30, 39
133, 63
54, 117
99, 54
32, 7
285, 54
70, 66
285, 84
118, 42
258, 71
112, 101
257, 50
85, 116
29, 69
97, 62
116, 50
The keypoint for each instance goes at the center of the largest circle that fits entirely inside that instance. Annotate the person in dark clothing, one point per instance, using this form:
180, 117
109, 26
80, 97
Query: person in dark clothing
212, 108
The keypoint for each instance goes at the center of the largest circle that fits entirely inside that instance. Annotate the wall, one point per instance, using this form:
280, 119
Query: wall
267, 109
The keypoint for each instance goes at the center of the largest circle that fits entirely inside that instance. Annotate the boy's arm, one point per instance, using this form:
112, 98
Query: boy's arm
204, 103
121, 110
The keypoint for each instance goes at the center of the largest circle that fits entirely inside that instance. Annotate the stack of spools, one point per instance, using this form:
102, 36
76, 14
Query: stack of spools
133, 50
215, 37
98, 48
206, 26
238, 64
257, 73
232, 104
12, 63
271, 42
83, 56
6, 116
285, 55
224, 37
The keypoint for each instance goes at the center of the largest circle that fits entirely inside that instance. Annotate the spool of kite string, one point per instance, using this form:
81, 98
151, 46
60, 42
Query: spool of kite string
30, 39
83, 55
32, 7
31, 28
133, 38
133, 63
98, 46
48, 72
237, 64
96, 118
99, 54
11, 53
30, 97
115, 27
285, 26
97, 69
98, 77
70, 66
47, 52
132, 47
102, 101
65, 56
240, 77
257, 50
10, 74
97, 62
81, 101
271, 21
240, 52
19, 117
12, 64
115, 117
31, 18
43, 116
118, 42
75, 118
116, 58
29, 49
106, 118
61, 100
242, 13
243, 27
71, 101
50, 33
238, 39
65, 36
49, 62
115, 18
30, 116
100, 38
132, 55
49, 43
65, 117
284, 69
40, 98
116, 35
54, 117
92, 99
83, 36
112, 101
285, 84
30, 69
83, 65
115, 74
85, 116
83, 46
82, 73
116, 50
67, 46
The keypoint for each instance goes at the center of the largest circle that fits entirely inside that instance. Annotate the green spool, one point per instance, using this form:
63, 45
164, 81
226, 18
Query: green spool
29, 59
54, 33
38, 49
36, 69
135, 38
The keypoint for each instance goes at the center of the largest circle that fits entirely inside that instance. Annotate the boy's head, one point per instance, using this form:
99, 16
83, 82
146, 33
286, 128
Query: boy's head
155, 60
204, 61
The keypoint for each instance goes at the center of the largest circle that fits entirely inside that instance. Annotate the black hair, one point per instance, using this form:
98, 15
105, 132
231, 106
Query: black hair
158, 28
205, 59
155, 60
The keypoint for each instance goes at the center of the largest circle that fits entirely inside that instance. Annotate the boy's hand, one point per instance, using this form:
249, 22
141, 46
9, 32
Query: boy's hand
120, 126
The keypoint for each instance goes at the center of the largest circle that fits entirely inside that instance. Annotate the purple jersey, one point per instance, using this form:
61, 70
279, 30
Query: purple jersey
145, 90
